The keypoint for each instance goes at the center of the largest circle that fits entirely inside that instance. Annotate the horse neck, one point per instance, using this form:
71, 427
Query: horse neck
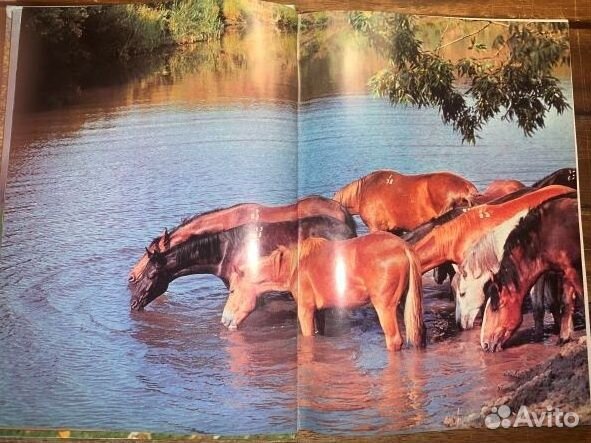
432, 250
348, 196
180, 263
529, 271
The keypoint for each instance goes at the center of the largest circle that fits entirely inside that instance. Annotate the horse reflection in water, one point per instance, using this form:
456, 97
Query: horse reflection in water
333, 386
226, 372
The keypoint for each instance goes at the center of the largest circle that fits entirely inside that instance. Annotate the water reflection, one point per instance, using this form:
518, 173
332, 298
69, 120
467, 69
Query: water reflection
346, 380
258, 65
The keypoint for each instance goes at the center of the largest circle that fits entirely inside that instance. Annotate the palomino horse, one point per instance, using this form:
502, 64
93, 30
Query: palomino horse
378, 268
220, 220
480, 263
221, 253
483, 260
564, 177
390, 201
547, 239
452, 240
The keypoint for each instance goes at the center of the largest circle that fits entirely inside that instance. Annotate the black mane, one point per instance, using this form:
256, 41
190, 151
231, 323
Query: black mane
524, 236
205, 248
417, 234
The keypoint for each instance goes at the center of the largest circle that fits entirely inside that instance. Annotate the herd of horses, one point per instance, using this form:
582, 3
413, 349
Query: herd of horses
496, 246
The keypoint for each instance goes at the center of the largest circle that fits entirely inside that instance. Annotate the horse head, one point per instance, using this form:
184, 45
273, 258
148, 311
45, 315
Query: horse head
149, 278
251, 280
502, 314
469, 295
158, 244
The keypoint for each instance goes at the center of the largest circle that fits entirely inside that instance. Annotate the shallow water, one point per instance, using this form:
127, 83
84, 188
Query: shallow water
92, 183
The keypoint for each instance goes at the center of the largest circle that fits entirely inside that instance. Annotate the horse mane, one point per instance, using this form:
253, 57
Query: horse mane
418, 233
297, 254
348, 195
511, 196
482, 256
309, 245
198, 249
525, 237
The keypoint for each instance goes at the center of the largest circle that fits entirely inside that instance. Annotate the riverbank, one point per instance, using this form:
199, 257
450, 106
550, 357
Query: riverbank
65, 51
561, 382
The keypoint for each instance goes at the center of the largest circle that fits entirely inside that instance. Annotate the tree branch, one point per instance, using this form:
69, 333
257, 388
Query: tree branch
463, 37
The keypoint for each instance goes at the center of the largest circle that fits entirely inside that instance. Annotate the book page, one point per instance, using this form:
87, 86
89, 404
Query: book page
403, 120
132, 122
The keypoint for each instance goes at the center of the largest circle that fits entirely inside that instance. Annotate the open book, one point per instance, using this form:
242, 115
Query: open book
226, 218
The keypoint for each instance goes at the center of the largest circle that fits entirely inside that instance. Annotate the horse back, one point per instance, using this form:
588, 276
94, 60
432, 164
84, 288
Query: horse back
360, 267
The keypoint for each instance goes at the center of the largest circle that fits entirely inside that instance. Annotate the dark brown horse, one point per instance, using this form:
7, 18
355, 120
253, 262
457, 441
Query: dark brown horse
391, 201
378, 268
221, 253
546, 240
564, 177
451, 241
223, 219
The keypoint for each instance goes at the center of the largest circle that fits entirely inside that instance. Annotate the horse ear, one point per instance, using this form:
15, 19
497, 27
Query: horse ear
149, 253
166, 237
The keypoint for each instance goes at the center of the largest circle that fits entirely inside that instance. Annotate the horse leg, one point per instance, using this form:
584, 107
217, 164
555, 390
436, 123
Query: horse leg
389, 323
320, 321
566, 324
553, 299
306, 318
537, 301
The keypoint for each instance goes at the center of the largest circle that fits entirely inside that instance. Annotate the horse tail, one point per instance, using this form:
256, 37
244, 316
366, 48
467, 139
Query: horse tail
348, 196
350, 222
413, 307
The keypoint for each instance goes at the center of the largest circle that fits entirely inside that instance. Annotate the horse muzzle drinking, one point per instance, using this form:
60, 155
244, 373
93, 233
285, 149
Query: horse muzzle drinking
145, 290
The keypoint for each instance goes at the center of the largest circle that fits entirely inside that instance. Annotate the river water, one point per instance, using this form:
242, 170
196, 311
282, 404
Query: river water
90, 184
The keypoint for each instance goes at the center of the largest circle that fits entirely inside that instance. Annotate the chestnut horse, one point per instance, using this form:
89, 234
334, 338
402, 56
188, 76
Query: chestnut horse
390, 201
452, 240
223, 219
221, 253
377, 268
547, 239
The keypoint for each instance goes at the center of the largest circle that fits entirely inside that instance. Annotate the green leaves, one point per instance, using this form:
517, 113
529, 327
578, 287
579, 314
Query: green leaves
515, 83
